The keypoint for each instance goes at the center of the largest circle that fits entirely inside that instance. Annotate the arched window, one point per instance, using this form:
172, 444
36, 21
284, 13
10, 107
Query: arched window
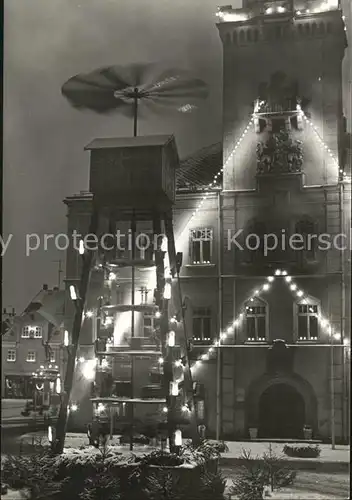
300, 29
329, 28
256, 35
234, 37
256, 320
249, 36
306, 246
307, 312
322, 28
314, 28
307, 28
241, 36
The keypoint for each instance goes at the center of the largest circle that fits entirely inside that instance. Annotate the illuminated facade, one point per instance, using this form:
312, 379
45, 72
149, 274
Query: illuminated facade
286, 170
31, 340
280, 316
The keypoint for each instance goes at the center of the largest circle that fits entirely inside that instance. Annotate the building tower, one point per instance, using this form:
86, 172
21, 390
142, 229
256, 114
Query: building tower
284, 173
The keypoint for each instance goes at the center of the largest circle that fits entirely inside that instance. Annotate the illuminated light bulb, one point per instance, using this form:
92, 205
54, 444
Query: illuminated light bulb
256, 292
158, 314
288, 279
277, 272
346, 342
337, 336
298, 13
81, 247
50, 434
167, 291
235, 323
165, 410
299, 293
223, 336
293, 287
81, 359
284, 273
74, 407
171, 339
204, 357
185, 408
73, 293
174, 388
266, 287
269, 10
211, 349
104, 363
178, 438
281, 9
161, 361
178, 363
89, 314
66, 339
270, 278
229, 330
58, 385
108, 321
216, 343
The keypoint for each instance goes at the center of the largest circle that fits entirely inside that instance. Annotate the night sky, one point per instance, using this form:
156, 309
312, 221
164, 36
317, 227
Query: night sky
47, 42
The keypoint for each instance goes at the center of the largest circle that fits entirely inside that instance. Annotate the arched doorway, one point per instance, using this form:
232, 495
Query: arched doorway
281, 413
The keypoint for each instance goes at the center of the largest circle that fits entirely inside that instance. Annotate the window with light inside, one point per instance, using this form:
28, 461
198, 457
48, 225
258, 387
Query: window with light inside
31, 356
307, 321
201, 246
256, 313
202, 324
11, 355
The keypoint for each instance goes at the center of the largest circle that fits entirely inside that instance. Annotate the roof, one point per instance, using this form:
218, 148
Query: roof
49, 304
129, 142
198, 170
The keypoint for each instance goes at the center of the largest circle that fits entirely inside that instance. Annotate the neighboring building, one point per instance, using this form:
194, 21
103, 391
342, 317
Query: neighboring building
29, 341
275, 374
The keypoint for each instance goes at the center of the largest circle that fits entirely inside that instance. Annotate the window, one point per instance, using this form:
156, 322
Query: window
201, 246
202, 324
256, 321
32, 331
11, 355
37, 332
144, 294
308, 241
31, 356
307, 321
148, 325
254, 242
52, 356
25, 332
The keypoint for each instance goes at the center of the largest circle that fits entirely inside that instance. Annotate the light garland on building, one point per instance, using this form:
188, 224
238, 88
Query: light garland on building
342, 173
218, 174
324, 323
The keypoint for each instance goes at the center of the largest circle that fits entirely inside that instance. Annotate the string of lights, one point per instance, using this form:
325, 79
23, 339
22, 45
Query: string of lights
298, 292
218, 174
343, 176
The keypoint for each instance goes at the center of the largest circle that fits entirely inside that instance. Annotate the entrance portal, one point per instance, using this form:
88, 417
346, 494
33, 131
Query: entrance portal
281, 413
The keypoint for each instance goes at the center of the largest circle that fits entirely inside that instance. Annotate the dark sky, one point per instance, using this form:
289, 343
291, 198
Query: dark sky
48, 41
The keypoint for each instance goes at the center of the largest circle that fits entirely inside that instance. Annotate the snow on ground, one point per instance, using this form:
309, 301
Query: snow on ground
340, 454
